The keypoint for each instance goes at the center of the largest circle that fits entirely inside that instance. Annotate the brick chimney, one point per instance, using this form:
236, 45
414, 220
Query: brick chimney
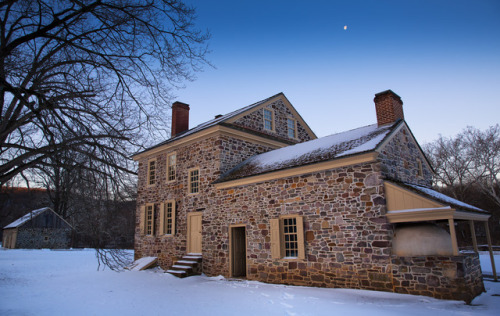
180, 118
389, 107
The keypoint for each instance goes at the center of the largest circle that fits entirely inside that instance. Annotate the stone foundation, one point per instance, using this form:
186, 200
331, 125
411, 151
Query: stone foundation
443, 277
449, 277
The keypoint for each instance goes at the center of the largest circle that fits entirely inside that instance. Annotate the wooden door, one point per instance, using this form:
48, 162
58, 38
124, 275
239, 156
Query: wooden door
238, 252
194, 232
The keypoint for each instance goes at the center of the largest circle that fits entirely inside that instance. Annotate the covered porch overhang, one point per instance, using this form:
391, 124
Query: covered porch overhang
406, 206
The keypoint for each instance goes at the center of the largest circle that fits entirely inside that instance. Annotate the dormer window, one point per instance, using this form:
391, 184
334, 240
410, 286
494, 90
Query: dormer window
268, 120
291, 125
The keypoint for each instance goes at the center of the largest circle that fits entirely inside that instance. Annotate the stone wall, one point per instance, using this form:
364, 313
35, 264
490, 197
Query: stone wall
203, 155
399, 160
212, 155
347, 239
233, 151
254, 121
37, 238
443, 277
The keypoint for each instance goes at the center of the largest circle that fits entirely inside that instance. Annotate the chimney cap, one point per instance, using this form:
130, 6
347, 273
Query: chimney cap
389, 91
180, 104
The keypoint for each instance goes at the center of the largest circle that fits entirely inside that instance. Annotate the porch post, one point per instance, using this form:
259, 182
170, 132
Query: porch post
473, 233
488, 237
453, 235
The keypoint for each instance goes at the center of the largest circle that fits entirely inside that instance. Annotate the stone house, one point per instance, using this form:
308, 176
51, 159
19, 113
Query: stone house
257, 195
41, 228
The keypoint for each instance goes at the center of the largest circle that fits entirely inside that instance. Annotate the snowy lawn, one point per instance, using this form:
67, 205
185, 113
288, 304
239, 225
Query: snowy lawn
44, 282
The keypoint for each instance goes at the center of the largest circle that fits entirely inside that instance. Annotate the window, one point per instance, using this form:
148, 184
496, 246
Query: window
290, 241
148, 219
420, 172
287, 237
151, 172
171, 161
194, 181
291, 128
269, 120
167, 218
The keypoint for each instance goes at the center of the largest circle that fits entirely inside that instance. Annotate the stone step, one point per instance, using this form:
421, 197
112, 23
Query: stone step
192, 258
178, 273
180, 267
190, 264
187, 262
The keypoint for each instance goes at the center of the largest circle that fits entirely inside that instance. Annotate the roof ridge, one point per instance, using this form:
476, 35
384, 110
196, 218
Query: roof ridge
211, 122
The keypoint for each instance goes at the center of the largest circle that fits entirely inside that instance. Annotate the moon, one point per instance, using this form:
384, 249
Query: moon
345, 27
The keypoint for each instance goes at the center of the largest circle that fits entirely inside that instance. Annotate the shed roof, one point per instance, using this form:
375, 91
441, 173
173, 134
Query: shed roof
356, 141
442, 198
29, 216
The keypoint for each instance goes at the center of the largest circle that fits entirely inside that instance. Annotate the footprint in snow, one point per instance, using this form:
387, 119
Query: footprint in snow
287, 305
288, 296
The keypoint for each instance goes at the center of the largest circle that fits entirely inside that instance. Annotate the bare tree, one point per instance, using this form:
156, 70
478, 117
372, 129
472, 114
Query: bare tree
86, 76
484, 153
472, 158
451, 164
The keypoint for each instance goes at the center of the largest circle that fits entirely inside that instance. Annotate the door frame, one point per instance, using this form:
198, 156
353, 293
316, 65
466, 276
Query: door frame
188, 239
231, 248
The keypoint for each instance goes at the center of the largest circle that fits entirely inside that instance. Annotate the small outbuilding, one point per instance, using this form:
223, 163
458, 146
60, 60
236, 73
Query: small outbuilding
41, 228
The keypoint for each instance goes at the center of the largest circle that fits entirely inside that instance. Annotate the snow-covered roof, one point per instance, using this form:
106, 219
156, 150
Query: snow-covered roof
356, 141
213, 122
27, 217
440, 197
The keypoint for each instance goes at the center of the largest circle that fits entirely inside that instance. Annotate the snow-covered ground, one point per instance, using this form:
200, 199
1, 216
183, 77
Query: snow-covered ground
44, 282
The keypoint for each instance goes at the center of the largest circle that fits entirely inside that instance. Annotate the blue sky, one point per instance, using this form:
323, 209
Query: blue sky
441, 57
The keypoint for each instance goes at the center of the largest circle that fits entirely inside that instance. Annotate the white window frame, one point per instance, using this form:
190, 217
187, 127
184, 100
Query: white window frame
171, 168
167, 216
190, 181
290, 119
151, 181
146, 220
278, 242
271, 121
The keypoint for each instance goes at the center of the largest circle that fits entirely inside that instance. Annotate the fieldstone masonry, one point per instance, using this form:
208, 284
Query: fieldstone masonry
444, 277
400, 158
31, 238
347, 237
254, 121
214, 156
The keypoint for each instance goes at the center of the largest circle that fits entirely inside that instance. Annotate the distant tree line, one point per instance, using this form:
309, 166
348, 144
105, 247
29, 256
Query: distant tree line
83, 85
467, 168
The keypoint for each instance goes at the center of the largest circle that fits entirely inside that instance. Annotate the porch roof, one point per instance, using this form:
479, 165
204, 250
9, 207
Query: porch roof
414, 203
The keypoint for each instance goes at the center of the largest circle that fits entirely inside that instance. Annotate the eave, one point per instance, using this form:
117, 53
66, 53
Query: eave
291, 172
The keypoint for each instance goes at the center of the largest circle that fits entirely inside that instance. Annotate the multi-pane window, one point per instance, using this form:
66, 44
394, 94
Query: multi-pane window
268, 120
169, 218
171, 161
287, 237
194, 181
149, 219
291, 131
152, 172
290, 241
